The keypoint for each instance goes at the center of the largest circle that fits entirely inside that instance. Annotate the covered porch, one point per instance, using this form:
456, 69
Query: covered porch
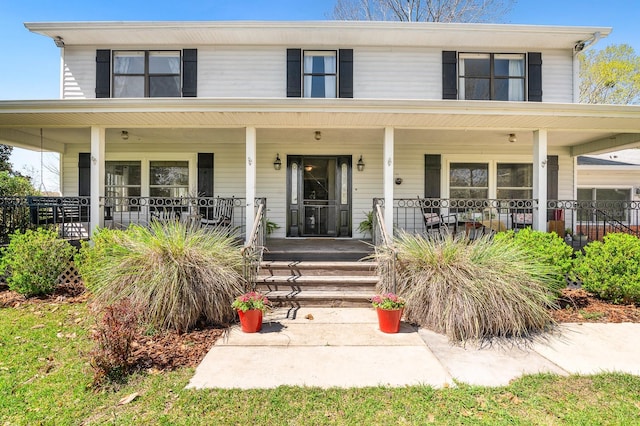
396, 141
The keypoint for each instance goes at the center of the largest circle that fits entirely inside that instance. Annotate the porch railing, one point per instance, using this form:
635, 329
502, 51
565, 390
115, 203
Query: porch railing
69, 216
120, 212
584, 220
254, 247
385, 250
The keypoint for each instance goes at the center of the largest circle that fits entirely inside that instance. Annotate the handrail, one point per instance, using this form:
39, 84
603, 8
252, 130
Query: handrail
254, 247
615, 223
385, 250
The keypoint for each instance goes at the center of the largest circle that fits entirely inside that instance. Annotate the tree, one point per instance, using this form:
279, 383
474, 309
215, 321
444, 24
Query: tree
5, 155
422, 10
11, 185
610, 75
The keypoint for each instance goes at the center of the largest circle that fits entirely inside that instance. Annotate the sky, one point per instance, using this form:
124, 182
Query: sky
38, 73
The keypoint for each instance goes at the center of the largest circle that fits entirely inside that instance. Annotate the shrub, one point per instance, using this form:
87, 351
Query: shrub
177, 273
34, 261
117, 329
611, 269
546, 247
473, 290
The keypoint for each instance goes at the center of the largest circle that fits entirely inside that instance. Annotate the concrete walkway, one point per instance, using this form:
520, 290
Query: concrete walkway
342, 347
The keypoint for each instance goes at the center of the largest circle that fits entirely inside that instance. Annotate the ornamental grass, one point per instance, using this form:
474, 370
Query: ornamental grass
474, 289
177, 274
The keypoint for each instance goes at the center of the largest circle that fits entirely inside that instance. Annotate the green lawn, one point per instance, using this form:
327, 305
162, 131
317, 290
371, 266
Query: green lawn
45, 378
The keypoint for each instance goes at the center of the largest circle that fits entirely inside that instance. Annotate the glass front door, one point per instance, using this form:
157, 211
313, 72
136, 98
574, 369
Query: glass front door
319, 196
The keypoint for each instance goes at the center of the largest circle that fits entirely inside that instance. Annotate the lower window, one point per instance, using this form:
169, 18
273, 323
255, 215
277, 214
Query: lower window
169, 178
469, 180
609, 203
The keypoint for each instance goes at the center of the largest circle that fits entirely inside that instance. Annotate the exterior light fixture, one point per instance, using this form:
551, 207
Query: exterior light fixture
318, 135
124, 135
278, 163
360, 164
512, 137
58, 41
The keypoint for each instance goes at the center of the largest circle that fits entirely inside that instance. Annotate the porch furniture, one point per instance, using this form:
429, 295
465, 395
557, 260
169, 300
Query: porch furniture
521, 220
434, 222
50, 210
219, 215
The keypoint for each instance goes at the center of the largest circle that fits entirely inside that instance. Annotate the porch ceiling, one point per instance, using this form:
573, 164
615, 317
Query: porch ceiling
586, 128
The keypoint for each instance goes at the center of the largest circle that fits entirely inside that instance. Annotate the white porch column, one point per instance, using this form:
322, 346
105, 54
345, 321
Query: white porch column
98, 137
250, 178
388, 178
540, 179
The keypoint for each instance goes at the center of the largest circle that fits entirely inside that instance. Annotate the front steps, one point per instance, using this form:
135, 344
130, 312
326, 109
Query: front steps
317, 283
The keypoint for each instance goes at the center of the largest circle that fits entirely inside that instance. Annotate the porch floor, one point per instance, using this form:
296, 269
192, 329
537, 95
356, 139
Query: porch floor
317, 249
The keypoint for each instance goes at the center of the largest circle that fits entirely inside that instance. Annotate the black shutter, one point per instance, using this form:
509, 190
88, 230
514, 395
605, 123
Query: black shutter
345, 73
103, 73
432, 175
534, 63
552, 181
190, 73
84, 174
294, 73
205, 174
449, 74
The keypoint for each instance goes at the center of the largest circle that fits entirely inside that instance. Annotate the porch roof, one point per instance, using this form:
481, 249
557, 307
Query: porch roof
586, 128
325, 33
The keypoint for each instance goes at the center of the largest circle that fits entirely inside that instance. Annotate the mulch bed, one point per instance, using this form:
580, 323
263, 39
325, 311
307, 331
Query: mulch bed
170, 350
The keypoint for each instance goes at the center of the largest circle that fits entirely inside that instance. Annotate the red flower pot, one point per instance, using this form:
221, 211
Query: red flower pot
389, 319
251, 320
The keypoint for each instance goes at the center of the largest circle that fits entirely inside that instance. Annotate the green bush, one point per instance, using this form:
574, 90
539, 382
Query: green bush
611, 269
546, 247
176, 274
473, 290
33, 261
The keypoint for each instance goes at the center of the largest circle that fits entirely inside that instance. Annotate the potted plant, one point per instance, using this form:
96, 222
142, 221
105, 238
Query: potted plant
366, 226
389, 307
250, 307
568, 235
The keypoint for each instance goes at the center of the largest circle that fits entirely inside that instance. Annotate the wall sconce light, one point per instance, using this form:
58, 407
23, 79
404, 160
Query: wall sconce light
318, 135
124, 135
59, 42
278, 163
512, 137
360, 164
398, 180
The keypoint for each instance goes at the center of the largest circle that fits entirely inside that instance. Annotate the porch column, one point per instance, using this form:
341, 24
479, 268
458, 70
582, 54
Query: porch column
98, 137
540, 179
250, 179
388, 178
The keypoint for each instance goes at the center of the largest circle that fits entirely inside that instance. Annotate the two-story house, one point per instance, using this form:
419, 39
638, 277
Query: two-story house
320, 118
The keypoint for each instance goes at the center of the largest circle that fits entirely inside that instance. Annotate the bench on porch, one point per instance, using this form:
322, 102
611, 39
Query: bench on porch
51, 210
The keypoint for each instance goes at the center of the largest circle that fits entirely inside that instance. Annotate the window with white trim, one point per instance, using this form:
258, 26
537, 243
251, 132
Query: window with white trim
141, 73
469, 180
491, 76
614, 206
168, 178
319, 74
123, 180
514, 181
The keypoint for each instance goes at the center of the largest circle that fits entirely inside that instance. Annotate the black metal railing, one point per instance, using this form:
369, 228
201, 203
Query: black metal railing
219, 212
255, 245
69, 216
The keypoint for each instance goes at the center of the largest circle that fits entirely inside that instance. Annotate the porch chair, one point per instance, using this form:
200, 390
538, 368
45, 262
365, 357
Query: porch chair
521, 220
435, 222
219, 215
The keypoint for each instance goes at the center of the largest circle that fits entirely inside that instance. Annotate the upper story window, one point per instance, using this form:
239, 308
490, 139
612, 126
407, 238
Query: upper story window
491, 76
320, 74
149, 74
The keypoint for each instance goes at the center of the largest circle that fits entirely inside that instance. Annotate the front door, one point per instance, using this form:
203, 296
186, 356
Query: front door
318, 196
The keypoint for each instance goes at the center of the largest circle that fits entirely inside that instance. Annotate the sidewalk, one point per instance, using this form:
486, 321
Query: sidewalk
342, 347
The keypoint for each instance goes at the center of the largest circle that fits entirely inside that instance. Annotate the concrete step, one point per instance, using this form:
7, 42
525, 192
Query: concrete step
319, 298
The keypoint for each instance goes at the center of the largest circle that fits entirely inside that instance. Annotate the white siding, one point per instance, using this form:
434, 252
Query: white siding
238, 72
607, 177
557, 76
397, 73
79, 73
